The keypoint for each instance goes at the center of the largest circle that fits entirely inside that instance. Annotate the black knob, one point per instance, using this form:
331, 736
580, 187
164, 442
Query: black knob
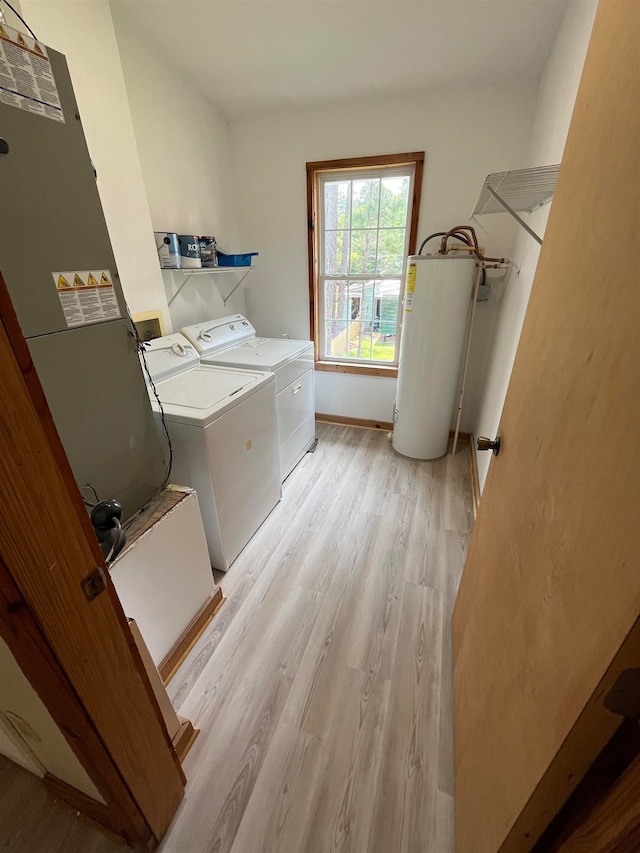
4, 146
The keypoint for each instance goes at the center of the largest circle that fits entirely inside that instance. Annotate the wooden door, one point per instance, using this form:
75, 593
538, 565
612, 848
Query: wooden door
80, 656
547, 613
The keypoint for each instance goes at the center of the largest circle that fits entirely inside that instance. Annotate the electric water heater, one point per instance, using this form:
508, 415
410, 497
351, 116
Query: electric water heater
436, 307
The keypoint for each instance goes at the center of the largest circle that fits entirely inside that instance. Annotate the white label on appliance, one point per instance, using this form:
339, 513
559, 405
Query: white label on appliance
26, 78
86, 296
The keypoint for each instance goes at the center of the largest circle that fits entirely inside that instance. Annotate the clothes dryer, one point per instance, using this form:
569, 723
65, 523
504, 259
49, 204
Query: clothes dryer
232, 342
224, 434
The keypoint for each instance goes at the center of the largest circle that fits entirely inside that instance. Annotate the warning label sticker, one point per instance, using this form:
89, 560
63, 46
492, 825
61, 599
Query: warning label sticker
410, 289
90, 299
26, 78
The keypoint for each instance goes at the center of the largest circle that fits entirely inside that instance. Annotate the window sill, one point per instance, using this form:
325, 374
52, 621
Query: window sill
390, 371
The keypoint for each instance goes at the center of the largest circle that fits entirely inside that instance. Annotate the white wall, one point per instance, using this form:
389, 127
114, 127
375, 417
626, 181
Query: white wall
466, 134
185, 155
83, 31
159, 139
556, 97
30, 723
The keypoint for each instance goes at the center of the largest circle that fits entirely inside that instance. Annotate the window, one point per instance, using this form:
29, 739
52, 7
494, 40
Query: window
363, 219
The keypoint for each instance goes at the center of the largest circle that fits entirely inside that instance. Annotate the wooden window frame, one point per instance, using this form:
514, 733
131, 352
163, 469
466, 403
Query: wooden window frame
314, 169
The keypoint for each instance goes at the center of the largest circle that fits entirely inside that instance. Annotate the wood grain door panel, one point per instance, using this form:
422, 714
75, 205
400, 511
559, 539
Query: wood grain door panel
551, 589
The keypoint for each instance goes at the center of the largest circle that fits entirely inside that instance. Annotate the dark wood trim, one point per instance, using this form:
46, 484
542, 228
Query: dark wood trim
614, 824
415, 205
604, 809
90, 809
576, 756
312, 255
184, 739
361, 423
362, 369
416, 158
189, 637
376, 161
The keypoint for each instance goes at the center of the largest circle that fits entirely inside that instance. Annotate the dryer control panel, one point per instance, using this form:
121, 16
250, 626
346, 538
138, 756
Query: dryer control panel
213, 336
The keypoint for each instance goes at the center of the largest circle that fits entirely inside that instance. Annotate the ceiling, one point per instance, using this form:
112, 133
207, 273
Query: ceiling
251, 57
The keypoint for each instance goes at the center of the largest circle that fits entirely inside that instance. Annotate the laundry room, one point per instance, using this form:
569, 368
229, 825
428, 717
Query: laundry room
278, 446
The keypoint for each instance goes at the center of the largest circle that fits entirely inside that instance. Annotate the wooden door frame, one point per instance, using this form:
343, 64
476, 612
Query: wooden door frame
126, 751
28, 645
603, 813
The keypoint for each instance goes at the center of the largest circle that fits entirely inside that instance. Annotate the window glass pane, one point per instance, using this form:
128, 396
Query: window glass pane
336, 252
386, 320
361, 292
361, 320
337, 201
336, 306
364, 246
391, 251
388, 296
336, 332
394, 202
364, 217
364, 203
358, 340
335, 300
365, 341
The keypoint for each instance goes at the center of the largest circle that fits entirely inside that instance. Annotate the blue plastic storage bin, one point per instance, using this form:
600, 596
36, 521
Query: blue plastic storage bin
236, 260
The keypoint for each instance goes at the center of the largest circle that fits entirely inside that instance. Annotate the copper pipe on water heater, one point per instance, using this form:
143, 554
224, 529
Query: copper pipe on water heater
461, 229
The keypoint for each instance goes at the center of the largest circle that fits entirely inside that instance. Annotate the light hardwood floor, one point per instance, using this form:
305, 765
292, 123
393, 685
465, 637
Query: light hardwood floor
323, 686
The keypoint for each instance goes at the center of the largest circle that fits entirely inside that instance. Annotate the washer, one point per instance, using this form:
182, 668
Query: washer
232, 341
224, 434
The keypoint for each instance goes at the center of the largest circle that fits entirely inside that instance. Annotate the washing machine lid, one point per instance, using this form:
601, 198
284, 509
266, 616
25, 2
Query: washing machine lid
204, 393
262, 353
169, 356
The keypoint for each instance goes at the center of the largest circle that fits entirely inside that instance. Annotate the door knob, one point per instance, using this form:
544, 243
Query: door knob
486, 444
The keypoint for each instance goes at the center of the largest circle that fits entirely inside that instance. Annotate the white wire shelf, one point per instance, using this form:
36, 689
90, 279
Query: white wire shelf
517, 191
206, 270
214, 270
187, 273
